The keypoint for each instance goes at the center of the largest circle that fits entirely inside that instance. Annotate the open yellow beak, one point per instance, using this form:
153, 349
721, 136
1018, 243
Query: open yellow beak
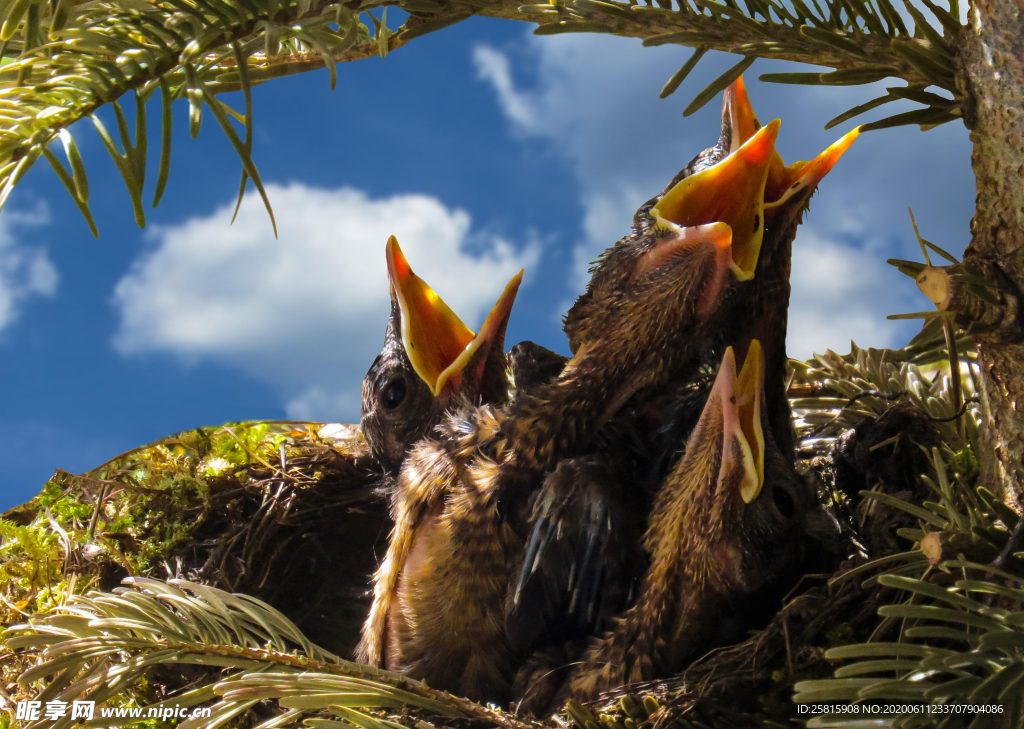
474, 358
739, 397
737, 109
730, 192
784, 182
439, 345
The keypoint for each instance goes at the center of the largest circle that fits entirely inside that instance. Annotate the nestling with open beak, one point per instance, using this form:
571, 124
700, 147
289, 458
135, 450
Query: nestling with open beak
462, 501
735, 208
648, 319
431, 362
648, 315
730, 518
754, 307
572, 529
659, 306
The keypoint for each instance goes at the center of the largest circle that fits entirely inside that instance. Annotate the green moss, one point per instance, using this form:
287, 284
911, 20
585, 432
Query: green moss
964, 463
840, 634
154, 499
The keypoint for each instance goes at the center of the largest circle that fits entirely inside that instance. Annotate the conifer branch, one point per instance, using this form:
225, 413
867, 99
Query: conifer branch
99, 645
64, 61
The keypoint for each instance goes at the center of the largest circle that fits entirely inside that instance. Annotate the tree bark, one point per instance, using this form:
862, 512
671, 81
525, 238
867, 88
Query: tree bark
992, 73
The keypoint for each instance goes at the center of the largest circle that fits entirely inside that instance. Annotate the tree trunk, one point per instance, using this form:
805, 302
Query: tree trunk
992, 54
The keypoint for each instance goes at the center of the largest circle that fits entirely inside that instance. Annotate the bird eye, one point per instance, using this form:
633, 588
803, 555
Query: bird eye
393, 393
783, 502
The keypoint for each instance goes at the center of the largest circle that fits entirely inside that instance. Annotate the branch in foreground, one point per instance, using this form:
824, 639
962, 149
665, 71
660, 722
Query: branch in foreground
101, 644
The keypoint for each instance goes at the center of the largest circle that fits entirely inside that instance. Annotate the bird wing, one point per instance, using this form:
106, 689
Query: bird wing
580, 557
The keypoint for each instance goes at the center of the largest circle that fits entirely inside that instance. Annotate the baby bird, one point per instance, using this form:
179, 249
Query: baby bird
430, 361
531, 365
474, 506
738, 193
462, 501
730, 518
755, 308
650, 311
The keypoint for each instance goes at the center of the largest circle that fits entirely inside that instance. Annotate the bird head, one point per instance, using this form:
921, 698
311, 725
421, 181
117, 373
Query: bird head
744, 507
737, 197
688, 245
430, 360
685, 282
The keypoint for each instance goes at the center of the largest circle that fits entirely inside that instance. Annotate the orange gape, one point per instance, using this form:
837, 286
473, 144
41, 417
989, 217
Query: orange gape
430, 362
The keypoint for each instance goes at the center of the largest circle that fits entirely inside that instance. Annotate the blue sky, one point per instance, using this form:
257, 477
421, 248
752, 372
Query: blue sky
484, 149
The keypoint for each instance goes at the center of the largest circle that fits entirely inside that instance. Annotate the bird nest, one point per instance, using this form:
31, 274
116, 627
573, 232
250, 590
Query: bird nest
294, 514
291, 513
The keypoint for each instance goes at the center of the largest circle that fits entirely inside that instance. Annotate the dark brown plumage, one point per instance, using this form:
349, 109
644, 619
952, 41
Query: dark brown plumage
462, 502
531, 365
582, 562
474, 584
730, 518
650, 312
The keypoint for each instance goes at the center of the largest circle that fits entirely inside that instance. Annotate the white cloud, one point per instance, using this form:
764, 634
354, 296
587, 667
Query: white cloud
595, 101
835, 298
306, 313
493, 66
25, 270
